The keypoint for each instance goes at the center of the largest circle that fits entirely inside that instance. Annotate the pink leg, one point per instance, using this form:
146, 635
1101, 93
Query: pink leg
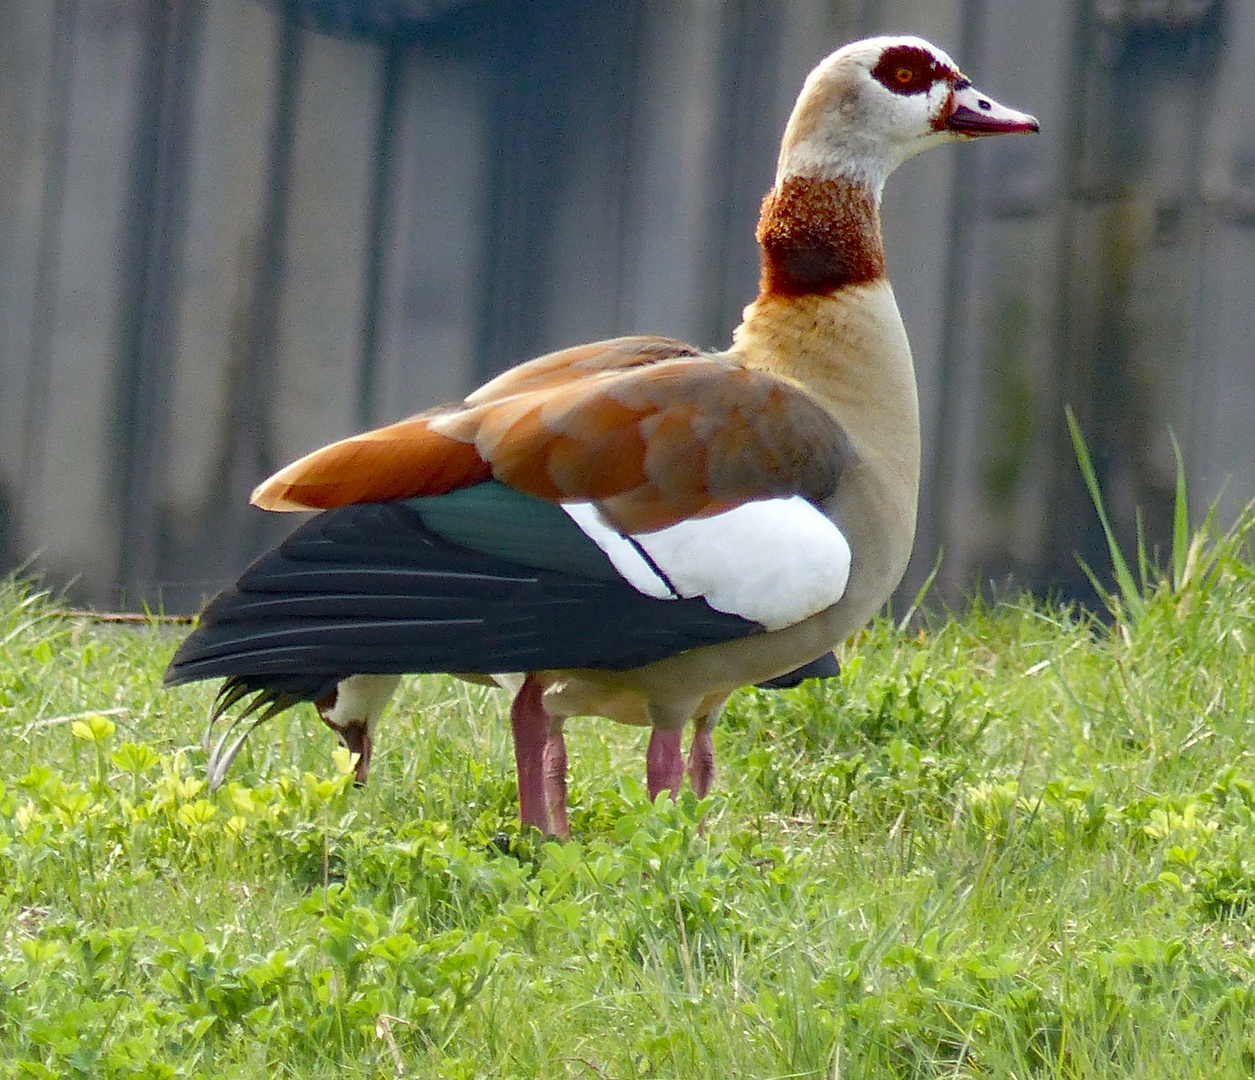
664, 763
701, 766
555, 783
531, 730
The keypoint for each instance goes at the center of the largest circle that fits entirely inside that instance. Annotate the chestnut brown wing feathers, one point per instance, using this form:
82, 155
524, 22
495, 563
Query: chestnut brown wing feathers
652, 432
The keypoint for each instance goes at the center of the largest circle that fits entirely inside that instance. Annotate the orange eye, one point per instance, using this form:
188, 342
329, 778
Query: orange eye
907, 69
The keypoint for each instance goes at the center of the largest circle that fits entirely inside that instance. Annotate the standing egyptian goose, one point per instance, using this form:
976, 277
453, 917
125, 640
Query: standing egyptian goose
636, 527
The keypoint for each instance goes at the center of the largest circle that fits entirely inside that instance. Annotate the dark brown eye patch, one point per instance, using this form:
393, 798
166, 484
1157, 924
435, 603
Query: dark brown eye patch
908, 69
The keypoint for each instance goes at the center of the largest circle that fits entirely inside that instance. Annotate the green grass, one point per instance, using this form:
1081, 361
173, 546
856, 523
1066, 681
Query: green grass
1017, 843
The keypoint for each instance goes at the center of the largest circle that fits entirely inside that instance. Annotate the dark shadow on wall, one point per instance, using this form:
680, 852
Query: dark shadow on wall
8, 532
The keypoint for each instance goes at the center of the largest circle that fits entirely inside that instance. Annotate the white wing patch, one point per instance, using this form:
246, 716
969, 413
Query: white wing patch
621, 551
775, 561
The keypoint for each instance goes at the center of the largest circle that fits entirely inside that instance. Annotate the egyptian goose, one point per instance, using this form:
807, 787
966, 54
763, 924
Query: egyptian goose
635, 526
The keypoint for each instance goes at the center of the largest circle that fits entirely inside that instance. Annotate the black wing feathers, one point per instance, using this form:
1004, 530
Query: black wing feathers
373, 589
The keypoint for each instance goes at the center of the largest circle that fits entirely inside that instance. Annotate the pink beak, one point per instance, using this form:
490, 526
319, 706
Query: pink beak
972, 114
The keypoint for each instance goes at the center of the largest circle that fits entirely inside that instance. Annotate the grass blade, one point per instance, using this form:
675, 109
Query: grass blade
1180, 521
1129, 592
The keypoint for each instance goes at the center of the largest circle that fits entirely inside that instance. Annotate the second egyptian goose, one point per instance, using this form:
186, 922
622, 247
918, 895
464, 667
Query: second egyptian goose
635, 526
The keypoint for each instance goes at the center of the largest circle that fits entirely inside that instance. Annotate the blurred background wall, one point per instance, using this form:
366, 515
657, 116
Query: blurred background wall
232, 230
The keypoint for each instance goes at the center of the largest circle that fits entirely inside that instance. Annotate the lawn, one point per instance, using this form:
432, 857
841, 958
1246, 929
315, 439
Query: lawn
1017, 841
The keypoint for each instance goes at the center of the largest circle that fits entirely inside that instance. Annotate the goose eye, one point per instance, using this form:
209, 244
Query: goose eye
909, 69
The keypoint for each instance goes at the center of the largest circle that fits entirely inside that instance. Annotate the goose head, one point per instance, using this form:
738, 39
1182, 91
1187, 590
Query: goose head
875, 103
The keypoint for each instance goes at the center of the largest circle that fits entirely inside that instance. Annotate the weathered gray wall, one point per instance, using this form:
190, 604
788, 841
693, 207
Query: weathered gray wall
226, 239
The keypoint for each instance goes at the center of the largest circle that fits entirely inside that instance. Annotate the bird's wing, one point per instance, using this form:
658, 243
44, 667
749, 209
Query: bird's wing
651, 431
480, 581
413, 458
603, 507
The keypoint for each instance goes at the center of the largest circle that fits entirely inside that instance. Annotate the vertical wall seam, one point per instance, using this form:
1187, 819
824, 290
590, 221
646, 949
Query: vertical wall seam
47, 277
